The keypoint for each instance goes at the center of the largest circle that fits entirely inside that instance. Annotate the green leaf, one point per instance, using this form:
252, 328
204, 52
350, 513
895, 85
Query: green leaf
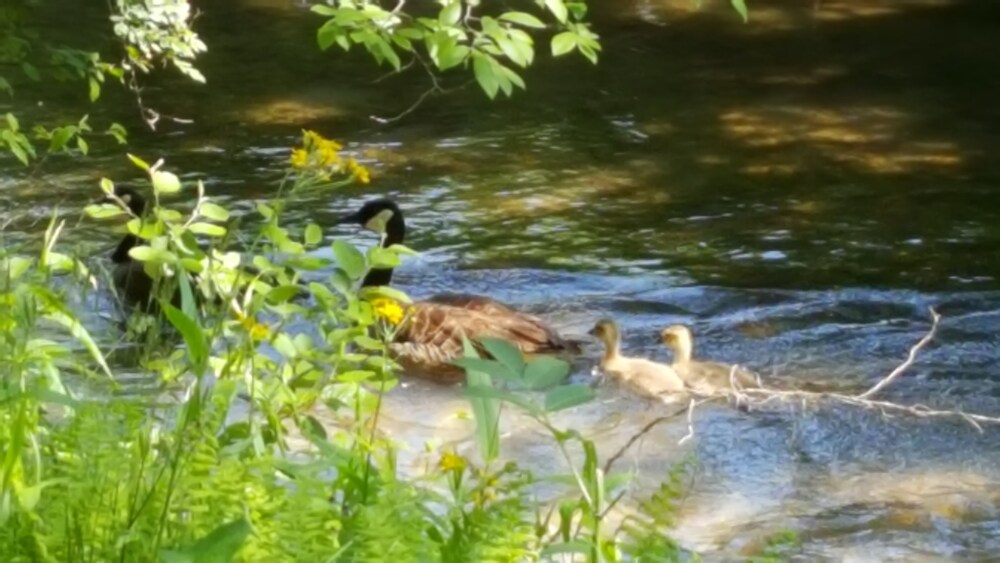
207, 229
19, 153
95, 89
12, 122
219, 546
60, 137
483, 67
213, 211
313, 234
145, 253
30, 71
545, 371
505, 353
138, 162
485, 410
567, 396
282, 293
384, 291
741, 8
285, 346
558, 9
492, 368
451, 13
350, 259
165, 182
355, 376
15, 266
6, 87
80, 333
82, 146
194, 337
563, 43
501, 395
523, 18
451, 55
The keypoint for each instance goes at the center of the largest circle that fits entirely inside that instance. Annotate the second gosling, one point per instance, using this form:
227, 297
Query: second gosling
702, 377
644, 377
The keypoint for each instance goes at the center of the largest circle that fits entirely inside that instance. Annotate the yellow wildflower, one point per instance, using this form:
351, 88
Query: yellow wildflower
450, 461
299, 158
359, 172
258, 331
389, 310
327, 155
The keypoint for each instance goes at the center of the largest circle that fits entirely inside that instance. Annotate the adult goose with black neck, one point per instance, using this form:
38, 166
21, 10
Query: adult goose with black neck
432, 332
133, 284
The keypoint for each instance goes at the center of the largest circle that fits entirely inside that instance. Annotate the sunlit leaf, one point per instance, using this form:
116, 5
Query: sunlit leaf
523, 18
350, 259
313, 234
138, 161
207, 229
482, 65
165, 182
213, 211
563, 43
567, 396
558, 9
505, 353
545, 371
741, 8
194, 337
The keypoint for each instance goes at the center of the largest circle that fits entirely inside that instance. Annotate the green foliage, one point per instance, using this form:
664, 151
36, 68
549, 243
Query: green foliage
464, 34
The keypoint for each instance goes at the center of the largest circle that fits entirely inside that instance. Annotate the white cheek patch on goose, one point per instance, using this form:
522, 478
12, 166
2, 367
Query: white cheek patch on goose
379, 221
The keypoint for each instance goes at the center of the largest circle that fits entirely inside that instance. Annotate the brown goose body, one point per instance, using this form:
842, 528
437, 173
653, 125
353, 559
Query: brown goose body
433, 331
702, 377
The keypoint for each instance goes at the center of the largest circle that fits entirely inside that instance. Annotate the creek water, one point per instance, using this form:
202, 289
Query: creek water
799, 190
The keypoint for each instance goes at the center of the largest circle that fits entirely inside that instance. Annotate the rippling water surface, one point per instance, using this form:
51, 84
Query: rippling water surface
799, 190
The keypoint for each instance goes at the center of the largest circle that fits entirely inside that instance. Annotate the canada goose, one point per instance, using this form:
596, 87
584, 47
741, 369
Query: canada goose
642, 376
131, 281
703, 377
431, 334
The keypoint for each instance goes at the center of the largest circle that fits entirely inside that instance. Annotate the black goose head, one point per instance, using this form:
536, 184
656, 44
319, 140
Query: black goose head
135, 202
380, 216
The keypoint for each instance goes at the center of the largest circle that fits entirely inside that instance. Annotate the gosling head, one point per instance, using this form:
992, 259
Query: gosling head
675, 335
375, 215
129, 196
678, 338
605, 329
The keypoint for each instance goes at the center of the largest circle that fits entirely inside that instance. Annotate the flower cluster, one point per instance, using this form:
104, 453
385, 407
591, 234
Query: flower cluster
322, 156
389, 310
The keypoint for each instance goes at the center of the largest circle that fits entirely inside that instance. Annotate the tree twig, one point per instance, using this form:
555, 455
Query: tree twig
910, 358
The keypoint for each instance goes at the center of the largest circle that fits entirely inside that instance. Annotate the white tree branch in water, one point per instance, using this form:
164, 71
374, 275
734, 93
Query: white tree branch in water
909, 359
762, 395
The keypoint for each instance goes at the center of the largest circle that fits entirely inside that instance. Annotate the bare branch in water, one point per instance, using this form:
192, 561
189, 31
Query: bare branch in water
911, 357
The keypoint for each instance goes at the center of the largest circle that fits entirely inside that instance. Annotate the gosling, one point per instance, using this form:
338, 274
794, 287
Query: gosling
706, 378
641, 376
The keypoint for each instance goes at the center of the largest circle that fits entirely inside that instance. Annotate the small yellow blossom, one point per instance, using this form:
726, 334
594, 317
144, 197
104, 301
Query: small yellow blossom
359, 172
389, 310
450, 461
258, 331
299, 158
327, 156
